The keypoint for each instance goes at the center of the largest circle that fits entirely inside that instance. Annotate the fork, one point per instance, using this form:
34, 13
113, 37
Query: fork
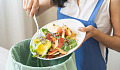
38, 30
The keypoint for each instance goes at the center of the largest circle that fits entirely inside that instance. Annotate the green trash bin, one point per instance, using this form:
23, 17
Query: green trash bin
20, 58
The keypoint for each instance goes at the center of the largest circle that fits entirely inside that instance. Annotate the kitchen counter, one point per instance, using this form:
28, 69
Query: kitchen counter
3, 57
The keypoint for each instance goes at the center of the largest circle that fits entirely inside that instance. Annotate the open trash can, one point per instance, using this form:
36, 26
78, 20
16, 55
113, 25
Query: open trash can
20, 58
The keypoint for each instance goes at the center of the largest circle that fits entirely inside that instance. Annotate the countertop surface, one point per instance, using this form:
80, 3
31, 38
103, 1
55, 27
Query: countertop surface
3, 57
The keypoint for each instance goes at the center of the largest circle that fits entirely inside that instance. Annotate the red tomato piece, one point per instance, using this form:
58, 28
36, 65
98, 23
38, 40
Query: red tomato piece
39, 55
61, 42
48, 36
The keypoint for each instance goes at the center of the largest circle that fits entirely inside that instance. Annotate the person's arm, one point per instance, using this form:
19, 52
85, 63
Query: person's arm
112, 42
36, 6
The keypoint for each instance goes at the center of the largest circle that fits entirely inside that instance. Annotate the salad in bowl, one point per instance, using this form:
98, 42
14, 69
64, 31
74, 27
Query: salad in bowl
57, 41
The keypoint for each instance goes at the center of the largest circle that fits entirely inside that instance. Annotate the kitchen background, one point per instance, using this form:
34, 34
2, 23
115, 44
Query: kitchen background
16, 26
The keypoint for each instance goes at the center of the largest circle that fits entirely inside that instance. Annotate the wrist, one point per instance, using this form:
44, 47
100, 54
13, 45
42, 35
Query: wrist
95, 31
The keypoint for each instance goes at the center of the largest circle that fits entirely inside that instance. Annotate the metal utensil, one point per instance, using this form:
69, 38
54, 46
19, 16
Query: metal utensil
38, 30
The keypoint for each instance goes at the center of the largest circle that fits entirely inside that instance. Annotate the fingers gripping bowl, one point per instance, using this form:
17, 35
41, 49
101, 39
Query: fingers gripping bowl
60, 38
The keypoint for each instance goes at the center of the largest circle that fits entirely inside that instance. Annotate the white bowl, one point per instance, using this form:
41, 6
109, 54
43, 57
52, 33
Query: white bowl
73, 25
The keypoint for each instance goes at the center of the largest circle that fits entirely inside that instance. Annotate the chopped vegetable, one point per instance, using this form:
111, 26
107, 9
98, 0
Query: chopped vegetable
57, 53
57, 37
36, 41
68, 31
42, 49
72, 43
45, 31
34, 56
65, 47
61, 42
57, 42
63, 33
55, 45
48, 36
61, 51
52, 52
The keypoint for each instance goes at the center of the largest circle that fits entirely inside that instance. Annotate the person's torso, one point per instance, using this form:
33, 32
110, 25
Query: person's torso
84, 11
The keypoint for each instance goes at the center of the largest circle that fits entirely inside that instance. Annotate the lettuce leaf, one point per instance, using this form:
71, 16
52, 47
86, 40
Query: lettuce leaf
65, 47
45, 31
57, 37
70, 45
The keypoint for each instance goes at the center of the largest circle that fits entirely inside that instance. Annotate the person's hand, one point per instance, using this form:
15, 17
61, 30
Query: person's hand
31, 6
90, 31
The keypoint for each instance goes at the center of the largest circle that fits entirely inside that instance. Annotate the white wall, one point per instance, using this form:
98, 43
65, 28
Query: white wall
14, 24
113, 60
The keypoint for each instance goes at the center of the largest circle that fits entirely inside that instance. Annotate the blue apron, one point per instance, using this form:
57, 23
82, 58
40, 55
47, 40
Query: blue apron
88, 56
